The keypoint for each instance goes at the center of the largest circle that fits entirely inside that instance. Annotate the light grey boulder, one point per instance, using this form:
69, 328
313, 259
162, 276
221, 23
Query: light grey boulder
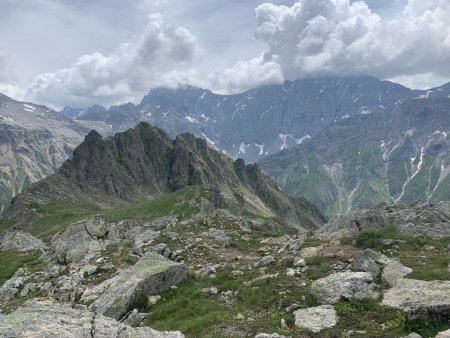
375, 263
152, 274
270, 335
75, 243
53, 320
216, 234
444, 334
11, 288
393, 271
317, 318
16, 240
413, 335
420, 299
347, 285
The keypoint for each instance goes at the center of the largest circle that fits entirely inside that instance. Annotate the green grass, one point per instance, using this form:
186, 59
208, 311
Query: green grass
57, 216
426, 265
11, 261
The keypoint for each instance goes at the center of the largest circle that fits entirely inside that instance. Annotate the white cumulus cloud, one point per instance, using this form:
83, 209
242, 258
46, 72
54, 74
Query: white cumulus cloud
315, 37
157, 57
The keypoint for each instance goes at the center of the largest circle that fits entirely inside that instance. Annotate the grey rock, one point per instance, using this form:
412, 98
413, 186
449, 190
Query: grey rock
420, 299
11, 288
375, 262
45, 319
270, 335
444, 334
316, 319
75, 243
264, 261
133, 319
20, 241
393, 271
133, 258
96, 227
151, 275
347, 285
218, 235
68, 288
413, 335
299, 262
415, 220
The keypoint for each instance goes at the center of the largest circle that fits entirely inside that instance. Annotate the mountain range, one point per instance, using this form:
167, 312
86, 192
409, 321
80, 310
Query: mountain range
261, 121
253, 125
34, 142
398, 156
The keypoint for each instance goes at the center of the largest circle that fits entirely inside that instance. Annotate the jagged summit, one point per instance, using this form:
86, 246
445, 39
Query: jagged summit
145, 161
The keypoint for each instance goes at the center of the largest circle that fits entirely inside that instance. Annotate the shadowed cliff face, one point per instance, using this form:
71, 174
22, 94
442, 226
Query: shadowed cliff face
145, 162
398, 156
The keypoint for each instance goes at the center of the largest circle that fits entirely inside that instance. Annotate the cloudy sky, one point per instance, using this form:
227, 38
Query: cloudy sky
81, 52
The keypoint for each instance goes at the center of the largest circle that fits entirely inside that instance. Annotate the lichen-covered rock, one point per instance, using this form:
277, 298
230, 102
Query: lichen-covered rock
420, 299
347, 285
46, 319
270, 335
68, 288
375, 263
11, 288
430, 220
153, 274
20, 241
316, 319
75, 243
393, 271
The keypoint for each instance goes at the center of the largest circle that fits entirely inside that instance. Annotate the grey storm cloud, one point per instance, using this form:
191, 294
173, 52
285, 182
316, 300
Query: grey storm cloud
216, 45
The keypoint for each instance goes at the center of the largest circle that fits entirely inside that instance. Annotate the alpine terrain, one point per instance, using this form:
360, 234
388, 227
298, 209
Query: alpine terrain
397, 156
142, 235
34, 142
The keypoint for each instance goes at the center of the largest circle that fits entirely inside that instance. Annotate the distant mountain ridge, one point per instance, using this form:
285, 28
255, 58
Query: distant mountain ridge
397, 156
34, 142
261, 121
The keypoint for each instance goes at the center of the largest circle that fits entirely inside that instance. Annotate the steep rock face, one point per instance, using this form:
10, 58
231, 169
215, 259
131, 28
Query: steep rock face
144, 161
261, 121
34, 142
397, 156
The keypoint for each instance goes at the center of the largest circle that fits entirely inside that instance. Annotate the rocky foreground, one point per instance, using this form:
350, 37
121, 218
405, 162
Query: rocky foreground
214, 274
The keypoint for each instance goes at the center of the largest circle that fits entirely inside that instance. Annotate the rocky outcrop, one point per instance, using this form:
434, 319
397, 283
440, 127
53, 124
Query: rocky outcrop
316, 319
20, 241
151, 275
420, 299
346, 285
430, 220
46, 319
144, 161
444, 334
375, 263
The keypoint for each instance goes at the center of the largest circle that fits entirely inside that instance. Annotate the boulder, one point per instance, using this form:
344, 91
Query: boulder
20, 241
375, 263
444, 334
347, 285
420, 299
264, 261
316, 319
11, 288
270, 335
75, 243
46, 319
153, 274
